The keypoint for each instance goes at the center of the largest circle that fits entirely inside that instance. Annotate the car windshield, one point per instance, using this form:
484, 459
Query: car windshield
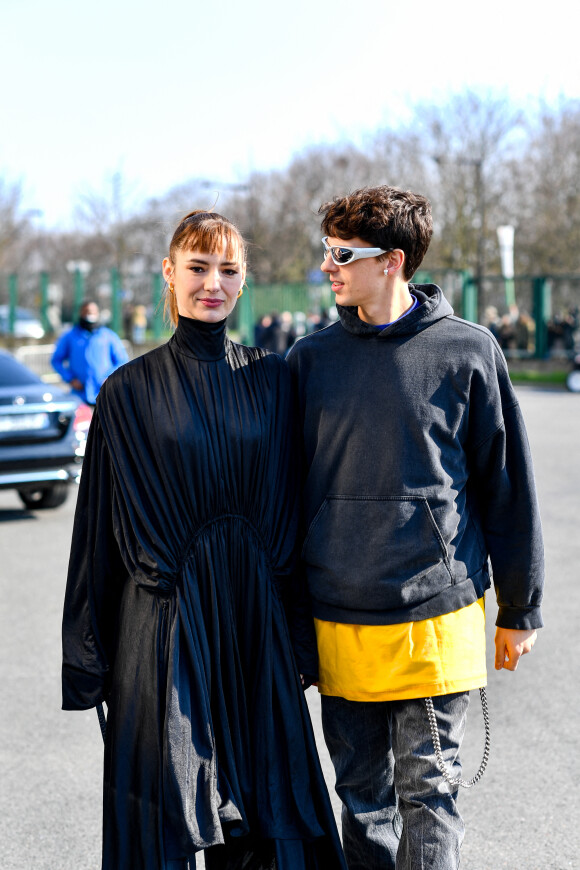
13, 374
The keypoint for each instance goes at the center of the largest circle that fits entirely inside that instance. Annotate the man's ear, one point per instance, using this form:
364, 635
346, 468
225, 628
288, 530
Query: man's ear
395, 260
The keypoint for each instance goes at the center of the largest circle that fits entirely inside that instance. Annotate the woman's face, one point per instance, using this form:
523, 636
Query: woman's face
206, 286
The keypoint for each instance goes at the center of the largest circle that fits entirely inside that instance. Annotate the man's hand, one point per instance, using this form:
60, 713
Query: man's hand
510, 645
76, 384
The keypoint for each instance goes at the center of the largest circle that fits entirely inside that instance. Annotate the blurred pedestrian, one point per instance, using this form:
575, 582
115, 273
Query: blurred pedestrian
318, 321
271, 336
491, 320
88, 353
139, 324
507, 333
525, 330
419, 475
288, 332
275, 332
181, 570
260, 329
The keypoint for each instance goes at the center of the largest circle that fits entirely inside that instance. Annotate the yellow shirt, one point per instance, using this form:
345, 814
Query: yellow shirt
411, 660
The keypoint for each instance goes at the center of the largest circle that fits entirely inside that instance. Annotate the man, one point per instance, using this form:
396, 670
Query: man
86, 355
418, 475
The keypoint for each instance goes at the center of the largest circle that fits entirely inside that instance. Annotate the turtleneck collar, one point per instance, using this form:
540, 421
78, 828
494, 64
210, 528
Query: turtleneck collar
204, 341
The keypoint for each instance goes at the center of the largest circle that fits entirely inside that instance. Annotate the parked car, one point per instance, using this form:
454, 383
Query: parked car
43, 432
26, 323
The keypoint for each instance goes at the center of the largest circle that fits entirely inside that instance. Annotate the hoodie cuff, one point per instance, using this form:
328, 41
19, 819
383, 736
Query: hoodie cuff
521, 618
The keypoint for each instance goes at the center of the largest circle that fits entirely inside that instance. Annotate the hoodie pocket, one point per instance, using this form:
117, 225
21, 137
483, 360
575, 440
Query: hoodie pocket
377, 553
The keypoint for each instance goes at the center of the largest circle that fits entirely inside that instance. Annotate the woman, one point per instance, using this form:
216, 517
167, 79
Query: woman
181, 566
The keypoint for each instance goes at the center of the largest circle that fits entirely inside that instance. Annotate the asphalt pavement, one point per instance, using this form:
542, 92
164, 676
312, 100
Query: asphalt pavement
524, 813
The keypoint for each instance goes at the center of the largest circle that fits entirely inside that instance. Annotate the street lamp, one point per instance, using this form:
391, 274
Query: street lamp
505, 237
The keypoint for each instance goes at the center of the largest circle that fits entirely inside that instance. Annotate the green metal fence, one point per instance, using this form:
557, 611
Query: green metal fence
543, 320
261, 299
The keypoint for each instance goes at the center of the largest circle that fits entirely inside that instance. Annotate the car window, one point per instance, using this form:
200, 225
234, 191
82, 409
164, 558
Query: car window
12, 373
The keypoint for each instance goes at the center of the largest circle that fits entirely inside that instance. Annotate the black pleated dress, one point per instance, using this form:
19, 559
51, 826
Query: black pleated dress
180, 584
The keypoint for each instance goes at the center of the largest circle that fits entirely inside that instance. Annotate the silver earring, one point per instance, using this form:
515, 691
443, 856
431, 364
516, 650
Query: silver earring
386, 271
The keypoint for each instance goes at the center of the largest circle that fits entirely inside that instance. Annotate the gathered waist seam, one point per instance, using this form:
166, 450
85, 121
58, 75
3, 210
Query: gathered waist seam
214, 521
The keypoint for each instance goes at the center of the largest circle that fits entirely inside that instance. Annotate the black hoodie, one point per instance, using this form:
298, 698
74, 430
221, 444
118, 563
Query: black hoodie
418, 471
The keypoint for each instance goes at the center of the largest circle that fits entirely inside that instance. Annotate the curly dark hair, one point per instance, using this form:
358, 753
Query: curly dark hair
385, 217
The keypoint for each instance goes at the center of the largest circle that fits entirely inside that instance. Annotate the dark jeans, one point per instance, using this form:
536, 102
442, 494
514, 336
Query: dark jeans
398, 812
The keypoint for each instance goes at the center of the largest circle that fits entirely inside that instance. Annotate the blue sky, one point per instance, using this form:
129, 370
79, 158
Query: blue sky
170, 91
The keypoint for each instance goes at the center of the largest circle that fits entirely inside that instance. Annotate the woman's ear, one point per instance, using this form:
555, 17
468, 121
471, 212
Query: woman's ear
168, 269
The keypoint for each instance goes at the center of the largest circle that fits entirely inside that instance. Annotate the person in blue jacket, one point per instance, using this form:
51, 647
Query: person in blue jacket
88, 353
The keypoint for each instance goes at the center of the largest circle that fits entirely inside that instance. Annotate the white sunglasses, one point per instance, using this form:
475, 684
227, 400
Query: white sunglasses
342, 255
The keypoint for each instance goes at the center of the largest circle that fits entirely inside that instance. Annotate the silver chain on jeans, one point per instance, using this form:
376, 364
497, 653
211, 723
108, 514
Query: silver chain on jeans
437, 745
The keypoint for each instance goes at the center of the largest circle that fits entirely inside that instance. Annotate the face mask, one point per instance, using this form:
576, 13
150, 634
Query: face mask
90, 323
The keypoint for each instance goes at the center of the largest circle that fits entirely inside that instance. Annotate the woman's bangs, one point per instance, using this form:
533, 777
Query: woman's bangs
209, 237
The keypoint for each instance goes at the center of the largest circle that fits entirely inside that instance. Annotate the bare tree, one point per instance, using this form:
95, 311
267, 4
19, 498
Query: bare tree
108, 214
14, 223
469, 140
279, 211
479, 160
548, 192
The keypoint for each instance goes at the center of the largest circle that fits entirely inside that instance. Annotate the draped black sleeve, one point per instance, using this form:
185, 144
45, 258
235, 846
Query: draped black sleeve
95, 578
